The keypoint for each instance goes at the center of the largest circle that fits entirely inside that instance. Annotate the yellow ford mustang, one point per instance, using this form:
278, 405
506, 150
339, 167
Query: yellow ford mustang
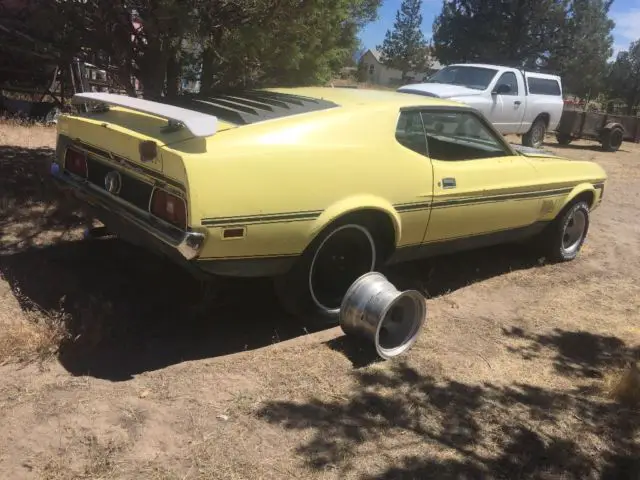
314, 186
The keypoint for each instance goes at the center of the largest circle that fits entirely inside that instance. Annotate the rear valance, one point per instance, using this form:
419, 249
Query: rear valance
199, 124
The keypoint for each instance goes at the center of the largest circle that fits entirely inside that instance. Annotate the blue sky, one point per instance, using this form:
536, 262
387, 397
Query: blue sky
626, 14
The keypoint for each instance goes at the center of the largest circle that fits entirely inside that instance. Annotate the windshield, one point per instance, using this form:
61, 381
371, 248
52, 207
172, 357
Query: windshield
477, 78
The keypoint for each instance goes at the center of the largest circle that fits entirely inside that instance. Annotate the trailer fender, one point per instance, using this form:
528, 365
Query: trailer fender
611, 125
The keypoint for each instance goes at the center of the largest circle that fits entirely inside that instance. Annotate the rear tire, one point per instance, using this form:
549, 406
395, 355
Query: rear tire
534, 138
565, 236
314, 287
612, 140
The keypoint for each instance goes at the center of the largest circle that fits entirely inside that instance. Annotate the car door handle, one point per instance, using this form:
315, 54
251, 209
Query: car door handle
517, 102
449, 182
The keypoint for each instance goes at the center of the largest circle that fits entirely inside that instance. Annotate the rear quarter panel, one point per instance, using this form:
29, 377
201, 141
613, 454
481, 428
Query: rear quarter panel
285, 179
565, 179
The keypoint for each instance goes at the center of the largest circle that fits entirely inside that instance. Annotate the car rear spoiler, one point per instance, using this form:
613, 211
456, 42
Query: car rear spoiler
199, 124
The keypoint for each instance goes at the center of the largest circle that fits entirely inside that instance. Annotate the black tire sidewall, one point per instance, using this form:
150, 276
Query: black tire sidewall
608, 144
293, 288
563, 139
528, 137
557, 251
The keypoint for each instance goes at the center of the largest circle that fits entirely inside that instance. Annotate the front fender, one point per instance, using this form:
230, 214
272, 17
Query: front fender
580, 189
354, 204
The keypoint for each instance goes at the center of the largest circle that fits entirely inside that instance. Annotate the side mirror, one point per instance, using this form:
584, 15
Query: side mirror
501, 89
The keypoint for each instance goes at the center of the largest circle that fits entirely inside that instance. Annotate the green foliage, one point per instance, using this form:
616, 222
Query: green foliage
623, 80
584, 48
404, 48
228, 42
495, 31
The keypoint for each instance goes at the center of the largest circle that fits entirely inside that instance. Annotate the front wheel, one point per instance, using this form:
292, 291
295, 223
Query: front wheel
567, 233
314, 287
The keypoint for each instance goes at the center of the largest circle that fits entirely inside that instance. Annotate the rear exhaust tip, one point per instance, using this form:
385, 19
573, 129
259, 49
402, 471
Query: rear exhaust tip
96, 232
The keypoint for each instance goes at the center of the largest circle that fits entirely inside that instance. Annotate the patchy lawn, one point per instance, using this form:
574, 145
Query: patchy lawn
106, 373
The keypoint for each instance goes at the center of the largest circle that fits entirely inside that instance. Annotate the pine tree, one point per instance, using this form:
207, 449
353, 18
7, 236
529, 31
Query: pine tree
405, 47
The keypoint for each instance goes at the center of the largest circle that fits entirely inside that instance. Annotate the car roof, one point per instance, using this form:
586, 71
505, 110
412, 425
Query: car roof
353, 97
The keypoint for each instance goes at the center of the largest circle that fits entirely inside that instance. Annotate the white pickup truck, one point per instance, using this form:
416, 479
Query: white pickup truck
515, 101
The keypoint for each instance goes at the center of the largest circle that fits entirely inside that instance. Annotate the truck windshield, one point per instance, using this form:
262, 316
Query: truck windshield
477, 78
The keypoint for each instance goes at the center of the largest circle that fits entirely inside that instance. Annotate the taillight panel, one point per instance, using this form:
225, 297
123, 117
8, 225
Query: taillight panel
76, 162
169, 207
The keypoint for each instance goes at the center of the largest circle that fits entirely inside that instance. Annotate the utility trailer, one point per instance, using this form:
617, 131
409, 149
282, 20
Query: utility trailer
608, 129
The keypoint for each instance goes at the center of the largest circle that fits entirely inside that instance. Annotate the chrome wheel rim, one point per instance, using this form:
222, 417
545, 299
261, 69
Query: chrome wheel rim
574, 230
343, 256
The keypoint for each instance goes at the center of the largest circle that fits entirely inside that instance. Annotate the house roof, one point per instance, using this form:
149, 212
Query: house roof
435, 64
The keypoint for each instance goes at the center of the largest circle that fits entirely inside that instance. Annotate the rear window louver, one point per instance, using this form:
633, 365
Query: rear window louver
249, 106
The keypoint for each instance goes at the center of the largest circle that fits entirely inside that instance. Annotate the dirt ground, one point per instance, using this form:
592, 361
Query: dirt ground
105, 372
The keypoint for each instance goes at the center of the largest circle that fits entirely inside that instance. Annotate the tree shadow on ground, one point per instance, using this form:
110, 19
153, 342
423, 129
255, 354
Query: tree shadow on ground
576, 354
30, 206
127, 311
396, 423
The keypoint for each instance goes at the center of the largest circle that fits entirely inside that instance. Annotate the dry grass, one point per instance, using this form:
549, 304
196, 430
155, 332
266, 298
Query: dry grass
516, 374
623, 385
37, 337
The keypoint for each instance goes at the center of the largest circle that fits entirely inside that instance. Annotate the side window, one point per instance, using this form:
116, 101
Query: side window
543, 86
509, 78
460, 135
410, 132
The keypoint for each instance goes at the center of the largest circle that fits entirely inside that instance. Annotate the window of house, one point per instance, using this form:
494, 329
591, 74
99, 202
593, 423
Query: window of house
371, 69
410, 132
509, 78
460, 135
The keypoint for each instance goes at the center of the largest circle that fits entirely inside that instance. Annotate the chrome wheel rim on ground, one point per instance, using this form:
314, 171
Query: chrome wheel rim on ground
344, 255
375, 310
573, 233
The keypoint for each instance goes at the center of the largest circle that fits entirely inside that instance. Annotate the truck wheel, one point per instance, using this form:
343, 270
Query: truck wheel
314, 287
535, 136
564, 237
612, 140
563, 138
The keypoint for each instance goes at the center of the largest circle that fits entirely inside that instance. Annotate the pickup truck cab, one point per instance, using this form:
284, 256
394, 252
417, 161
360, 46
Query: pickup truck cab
515, 101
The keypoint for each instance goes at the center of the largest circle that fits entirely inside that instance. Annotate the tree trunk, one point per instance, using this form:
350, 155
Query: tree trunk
153, 70
631, 103
206, 79
173, 76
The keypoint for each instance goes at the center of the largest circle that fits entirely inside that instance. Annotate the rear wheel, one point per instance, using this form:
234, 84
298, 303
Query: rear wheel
612, 140
535, 136
313, 289
567, 233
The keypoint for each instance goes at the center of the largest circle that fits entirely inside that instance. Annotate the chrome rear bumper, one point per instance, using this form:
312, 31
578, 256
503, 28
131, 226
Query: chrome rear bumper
187, 244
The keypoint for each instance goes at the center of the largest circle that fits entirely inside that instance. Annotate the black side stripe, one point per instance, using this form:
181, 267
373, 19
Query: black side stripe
268, 218
411, 207
499, 198
400, 207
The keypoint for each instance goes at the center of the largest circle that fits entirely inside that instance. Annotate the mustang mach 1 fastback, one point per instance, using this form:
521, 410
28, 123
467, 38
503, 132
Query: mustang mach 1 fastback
314, 186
